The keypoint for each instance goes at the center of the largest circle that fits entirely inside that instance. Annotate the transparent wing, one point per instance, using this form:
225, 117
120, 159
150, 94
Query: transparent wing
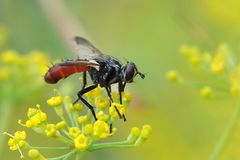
86, 48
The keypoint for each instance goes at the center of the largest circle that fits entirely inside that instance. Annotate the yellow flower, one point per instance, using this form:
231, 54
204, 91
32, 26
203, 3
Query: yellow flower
191, 53
102, 103
17, 141
146, 131
127, 97
76, 107
35, 154
9, 57
206, 92
113, 110
36, 117
51, 130
88, 129
74, 132
55, 101
83, 119
235, 80
61, 125
101, 129
94, 93
172, 76
102, 116
219, 60
81, 142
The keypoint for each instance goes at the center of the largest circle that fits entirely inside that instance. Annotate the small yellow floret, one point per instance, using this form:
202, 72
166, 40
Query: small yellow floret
61, 125
172, 76
74, 132
33, 153
88, 129
116, 106
102, 103
135, 131
9, 56
51, 130
101, 129
94, 93
146, 131
81, 142
55, 101
83, 119
206, 92
102, 116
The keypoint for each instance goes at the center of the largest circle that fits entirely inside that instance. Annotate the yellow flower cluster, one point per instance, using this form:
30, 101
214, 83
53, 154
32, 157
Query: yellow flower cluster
35, 117
78, 129
219, 70
16, 141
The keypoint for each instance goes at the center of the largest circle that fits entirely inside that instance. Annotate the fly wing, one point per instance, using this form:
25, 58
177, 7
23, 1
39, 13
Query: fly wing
86, 48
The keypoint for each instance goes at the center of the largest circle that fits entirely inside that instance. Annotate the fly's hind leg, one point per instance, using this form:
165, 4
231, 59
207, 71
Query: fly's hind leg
81, 93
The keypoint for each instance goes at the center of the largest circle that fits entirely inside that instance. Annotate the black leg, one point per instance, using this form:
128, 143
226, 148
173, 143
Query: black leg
84, 80
108, 89
82, 92
121, 87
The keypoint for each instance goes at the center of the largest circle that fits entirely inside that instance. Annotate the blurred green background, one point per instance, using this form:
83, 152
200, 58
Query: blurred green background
185, 125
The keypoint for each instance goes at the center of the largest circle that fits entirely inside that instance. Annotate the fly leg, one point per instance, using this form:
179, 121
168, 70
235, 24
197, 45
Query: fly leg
82, 92
84, 80
108, 89
121, 87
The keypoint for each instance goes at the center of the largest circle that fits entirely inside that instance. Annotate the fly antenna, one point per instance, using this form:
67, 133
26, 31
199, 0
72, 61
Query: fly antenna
141, 75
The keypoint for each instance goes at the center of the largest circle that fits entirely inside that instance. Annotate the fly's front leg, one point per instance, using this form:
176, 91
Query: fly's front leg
121, 87
81, 93
108, 89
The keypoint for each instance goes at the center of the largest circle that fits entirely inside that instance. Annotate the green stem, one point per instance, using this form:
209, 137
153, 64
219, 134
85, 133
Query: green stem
112, 145
5, 110
226, 135
65, 156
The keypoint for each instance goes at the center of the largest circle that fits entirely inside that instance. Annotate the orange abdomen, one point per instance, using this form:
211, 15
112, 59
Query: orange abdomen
57, 72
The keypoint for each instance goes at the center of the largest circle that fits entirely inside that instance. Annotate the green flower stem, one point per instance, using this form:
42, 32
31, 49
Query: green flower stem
226, 135
65, 139
51, 148
5, 110
65, 156
123, 144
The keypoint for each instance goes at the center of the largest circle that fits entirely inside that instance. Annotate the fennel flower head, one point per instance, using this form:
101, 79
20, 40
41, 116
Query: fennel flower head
217, 72
76, 128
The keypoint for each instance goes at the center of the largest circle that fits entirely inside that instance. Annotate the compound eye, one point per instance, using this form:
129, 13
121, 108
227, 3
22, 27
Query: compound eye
129, 72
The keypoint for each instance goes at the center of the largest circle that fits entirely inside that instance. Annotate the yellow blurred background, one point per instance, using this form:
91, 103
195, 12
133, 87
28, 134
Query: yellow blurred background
185, 125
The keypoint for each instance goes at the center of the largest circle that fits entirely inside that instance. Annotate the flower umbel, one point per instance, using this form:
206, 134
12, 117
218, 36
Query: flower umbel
77, 128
